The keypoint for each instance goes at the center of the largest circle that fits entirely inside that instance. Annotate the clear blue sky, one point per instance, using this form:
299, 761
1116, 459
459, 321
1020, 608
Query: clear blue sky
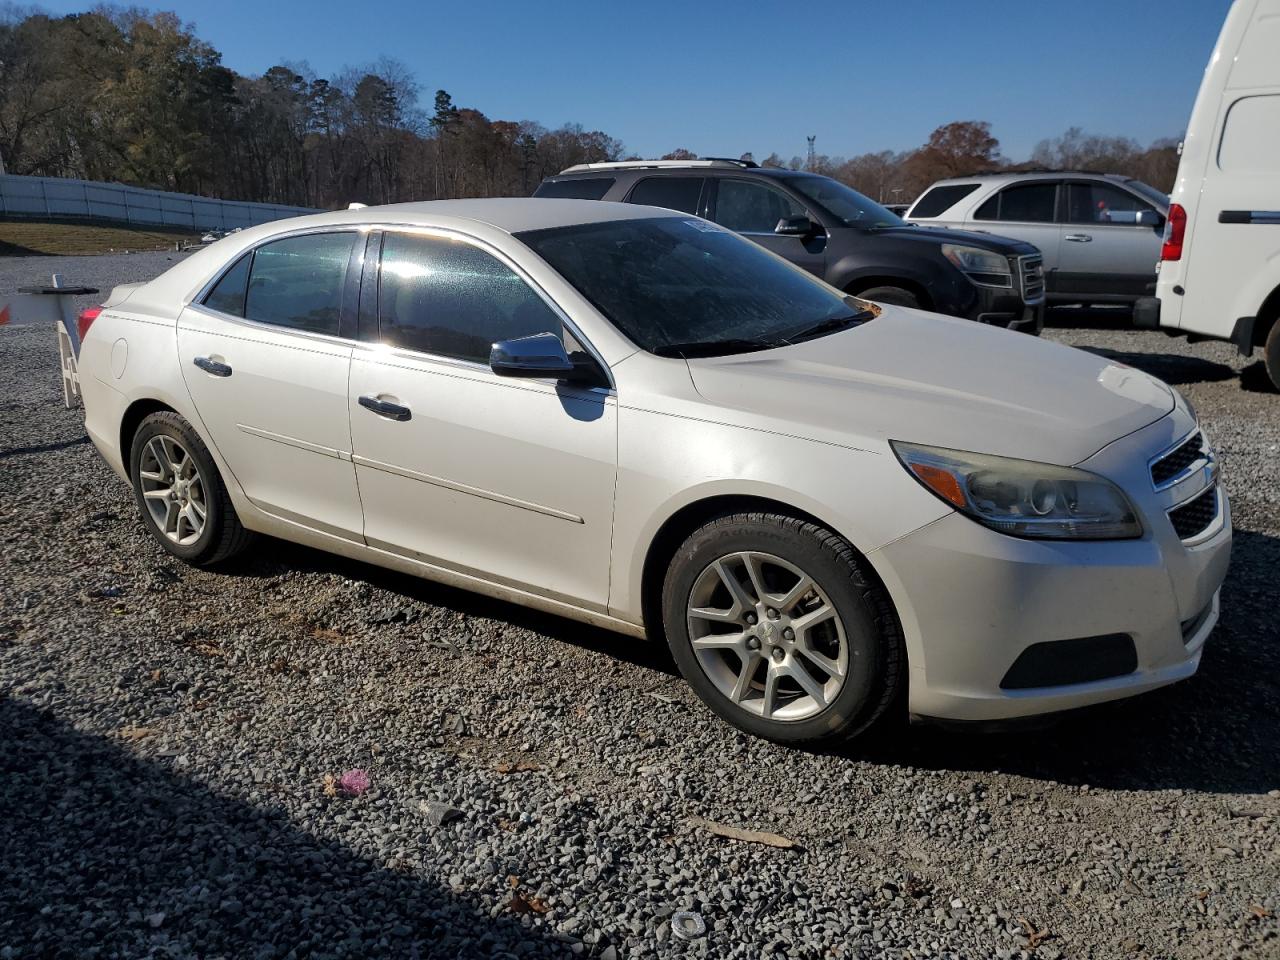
720, 78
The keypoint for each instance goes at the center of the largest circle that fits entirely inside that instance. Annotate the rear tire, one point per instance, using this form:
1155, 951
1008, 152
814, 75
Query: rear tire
897, 296
806, 647
180, 494
1271, 354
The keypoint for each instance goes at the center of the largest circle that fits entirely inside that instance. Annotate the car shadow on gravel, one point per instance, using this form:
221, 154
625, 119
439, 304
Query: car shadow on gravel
108, 854
278, 556
1217, 732
1172, 368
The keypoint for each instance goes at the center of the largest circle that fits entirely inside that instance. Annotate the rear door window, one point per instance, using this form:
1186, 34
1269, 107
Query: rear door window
1102, 203
298, 282
582, 188
674, 193
941, 199
1022, 203
748, 207
227, 296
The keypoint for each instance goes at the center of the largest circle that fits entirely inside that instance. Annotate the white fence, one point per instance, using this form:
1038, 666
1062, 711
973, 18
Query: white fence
52, 197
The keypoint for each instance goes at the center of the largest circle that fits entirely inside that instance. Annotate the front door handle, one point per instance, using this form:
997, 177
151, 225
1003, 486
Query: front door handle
384, 408
1078, 237
211, 366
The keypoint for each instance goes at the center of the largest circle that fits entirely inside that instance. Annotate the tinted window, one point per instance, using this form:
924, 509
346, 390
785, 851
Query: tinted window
228, 295
452, 299
674, 193
940, 199
843, 202
683, 287
583, 188
297, 282
1102, 203
752, 207
1025, 203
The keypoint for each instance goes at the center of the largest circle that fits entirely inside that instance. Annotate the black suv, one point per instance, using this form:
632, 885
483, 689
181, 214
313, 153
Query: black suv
835, 232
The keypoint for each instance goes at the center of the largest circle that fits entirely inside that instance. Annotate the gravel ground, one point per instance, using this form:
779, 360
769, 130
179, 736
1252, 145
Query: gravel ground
175, 740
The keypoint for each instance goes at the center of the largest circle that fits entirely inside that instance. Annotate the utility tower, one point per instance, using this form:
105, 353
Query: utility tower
813, 157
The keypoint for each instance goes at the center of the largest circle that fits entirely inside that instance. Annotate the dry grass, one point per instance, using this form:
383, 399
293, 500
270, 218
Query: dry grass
24, 238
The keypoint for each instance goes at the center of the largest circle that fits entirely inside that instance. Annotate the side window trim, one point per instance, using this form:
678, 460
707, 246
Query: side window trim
516, 269
347, 299
367, 330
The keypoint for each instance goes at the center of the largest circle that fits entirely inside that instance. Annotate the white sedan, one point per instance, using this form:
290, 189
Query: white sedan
640, 420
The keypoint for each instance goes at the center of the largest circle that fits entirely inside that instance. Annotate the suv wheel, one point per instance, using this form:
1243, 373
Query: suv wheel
897, 296
180, 494
776, 626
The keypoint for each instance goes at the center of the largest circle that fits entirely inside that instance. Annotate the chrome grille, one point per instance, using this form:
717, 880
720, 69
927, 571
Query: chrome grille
1030, 270
1193, 517
1174, 466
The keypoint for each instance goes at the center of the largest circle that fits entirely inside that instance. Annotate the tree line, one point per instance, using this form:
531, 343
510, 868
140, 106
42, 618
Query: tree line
134, 97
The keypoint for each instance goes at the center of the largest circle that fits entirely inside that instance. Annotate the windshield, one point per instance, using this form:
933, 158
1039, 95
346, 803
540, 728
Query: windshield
844, 203
1161, 200
680, 286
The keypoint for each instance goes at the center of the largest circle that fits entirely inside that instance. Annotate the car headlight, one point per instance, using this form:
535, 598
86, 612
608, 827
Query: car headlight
981, 266
1023, 498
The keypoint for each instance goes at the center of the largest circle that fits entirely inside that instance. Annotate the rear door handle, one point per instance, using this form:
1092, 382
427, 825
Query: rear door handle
1078, 237
214, 367
384, 408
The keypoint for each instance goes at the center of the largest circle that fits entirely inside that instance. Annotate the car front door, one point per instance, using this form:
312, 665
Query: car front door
753, 209
266, 363
1105, 251
507, 480
1026, 211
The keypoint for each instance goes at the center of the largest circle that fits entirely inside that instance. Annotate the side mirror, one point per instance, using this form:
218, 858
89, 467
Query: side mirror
539, 356
794, 227
1148, 218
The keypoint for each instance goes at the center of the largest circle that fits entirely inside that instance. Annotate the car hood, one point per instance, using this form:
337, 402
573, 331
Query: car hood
936, 235
924, 378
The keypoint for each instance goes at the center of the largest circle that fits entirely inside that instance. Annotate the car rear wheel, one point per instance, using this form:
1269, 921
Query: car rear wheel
898, 296
180, 494
1271, 354
775, 624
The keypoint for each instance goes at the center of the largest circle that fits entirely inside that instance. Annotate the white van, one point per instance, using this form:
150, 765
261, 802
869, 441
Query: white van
1219, 276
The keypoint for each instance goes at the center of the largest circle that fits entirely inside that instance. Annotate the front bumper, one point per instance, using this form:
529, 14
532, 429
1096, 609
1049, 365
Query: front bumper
1002, 307
972, 601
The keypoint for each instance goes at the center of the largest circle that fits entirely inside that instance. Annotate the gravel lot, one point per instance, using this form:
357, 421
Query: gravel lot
172, 740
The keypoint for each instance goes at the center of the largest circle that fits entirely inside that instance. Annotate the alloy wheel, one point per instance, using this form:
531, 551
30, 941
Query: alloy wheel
173, 489
767, 636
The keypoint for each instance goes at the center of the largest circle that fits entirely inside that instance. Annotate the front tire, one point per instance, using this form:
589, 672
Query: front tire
180, 494
776, 625
1271, 354
897, 296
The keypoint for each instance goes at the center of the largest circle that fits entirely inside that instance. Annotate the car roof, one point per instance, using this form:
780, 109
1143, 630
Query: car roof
673, 168
509, 214
1004, 176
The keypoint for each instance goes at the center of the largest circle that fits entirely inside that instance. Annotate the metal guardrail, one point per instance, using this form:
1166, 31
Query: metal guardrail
49, 198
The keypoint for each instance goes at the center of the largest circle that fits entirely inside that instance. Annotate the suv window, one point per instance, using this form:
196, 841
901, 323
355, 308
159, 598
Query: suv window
581, 188
452, 299
674, 193
297, 282
1102, 203
227, 296
1024, 202
747, 207
940, 199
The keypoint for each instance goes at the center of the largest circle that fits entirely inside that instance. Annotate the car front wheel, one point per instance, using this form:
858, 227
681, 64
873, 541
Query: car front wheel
180, 494
775, 624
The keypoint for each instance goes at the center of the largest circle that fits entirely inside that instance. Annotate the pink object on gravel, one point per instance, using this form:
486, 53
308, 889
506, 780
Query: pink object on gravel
354, 782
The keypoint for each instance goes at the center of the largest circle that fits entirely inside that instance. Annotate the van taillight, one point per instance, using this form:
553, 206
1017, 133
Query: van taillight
85, 320
1175, 228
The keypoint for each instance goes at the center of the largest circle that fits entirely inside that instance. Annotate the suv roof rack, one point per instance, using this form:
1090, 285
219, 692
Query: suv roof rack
658, 164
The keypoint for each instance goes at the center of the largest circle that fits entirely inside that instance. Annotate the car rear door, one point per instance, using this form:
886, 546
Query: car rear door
1026, 211
266, 355
753, 209
508, 480
1105, 251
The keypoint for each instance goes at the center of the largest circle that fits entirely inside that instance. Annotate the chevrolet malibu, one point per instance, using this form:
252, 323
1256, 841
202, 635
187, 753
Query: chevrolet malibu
643, 421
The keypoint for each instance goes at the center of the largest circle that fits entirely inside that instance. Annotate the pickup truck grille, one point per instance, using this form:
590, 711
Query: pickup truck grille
1030, 271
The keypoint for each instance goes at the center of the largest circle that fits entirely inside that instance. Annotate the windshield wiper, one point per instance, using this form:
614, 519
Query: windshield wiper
716, 348
831, 325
